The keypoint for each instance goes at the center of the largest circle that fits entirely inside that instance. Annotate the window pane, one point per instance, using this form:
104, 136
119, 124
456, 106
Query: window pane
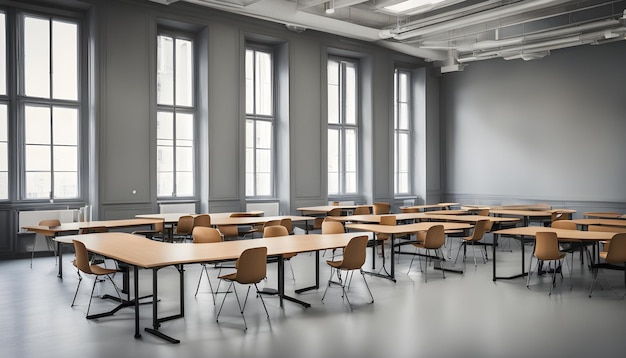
65, 126
351, 94
249, 160
4, 154
184, 73
184, 183
3, 61
65, 159
36, 57
37, 157
184, 128
263, 161
263, 134
165, 159
165, 70
165, 183
4, 185
333, 151
249, 183
184, 159
403, 116
333, 183
403, 87
403, 183
64, 60
403, 152
263, 184
38, 185
351, 150
65, 185
165, 125
333, 92
264, 85
250, 133
351, 182
249, 82
37, 125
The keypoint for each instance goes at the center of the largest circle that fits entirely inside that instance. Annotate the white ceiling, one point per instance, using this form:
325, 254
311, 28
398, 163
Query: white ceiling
451, 33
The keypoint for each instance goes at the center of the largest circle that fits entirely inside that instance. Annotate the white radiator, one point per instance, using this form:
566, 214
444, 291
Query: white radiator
33, 217
269, 209
186, 208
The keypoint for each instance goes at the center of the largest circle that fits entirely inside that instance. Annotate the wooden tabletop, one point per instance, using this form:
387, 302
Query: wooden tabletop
251, 220
562, 234
375, 218
324, 209
423, 207
172, 218
529, 213
142, 252
406, 229
76, 226
604, 222
472, 218
603, 215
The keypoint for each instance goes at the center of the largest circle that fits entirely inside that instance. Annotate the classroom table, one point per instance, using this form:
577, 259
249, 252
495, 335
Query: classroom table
528, 215
529, 232
584, 223
75, 227
426, 207
603, 215
393, 230
140, 252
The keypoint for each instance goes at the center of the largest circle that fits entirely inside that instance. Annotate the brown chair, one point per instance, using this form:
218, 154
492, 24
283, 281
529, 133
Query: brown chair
381, 208
604, 228
614, 258
547, 249
202, 220
251, 269
82, 264
480, 228
353, 259
205, 235
361, 210
288, 224
434, 239
317, 223
155, 234
184, 227
332, 227
279, 230
49, 239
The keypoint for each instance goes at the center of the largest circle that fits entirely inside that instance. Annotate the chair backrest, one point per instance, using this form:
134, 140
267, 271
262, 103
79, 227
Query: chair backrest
334, 212
251, 265
388, 220
559, 215
243, 215
480, 228
202, 220
93, 229
185, 225
275, 230
228, 230
287, 223
410, 210
565, 224
546, 246
435, 237
332, 227
361, 210
617, 250
271, 223
203, 234
381, 208
354, 253
483, 212
82, 257
50, 222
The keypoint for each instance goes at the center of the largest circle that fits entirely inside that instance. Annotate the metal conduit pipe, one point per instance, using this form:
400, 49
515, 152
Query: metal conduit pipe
490, 15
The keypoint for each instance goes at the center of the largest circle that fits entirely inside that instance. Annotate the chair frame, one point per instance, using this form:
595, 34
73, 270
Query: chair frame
428, 245
614, 255
543, 240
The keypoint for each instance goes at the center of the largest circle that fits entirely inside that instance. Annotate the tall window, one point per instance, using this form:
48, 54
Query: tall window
342, 126
175, 116
49, 106
259, 122
402, 131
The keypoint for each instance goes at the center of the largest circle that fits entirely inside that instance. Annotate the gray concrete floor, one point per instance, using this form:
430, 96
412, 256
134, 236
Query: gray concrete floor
460, 316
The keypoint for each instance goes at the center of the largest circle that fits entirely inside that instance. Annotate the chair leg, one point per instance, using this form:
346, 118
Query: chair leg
594, 281
328, 285
223, 300
80, 279
366, 285
205, 270
530, 269
258, 293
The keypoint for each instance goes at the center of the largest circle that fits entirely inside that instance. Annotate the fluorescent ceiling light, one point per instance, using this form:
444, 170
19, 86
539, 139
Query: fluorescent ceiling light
410, 5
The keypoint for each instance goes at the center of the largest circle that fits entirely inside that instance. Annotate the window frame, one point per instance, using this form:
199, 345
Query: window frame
397, 132
256, 118
342, 127
175, 109
21, 101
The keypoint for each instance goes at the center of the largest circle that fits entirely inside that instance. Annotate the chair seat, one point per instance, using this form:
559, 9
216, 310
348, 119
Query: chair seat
230, 276
289, 255
603, 254
99, 270
334, 264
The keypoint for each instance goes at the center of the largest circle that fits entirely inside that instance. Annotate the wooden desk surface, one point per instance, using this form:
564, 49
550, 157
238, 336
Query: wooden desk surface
604, 222
172, 218
603, 215
406, 229
529, 213
76, 226
142, 252
562, 234
472, 218
438, 206
251, 220
374, 218
327, 208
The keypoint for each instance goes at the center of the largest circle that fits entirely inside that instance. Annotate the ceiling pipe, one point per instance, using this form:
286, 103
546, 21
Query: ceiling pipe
489, 15
588, 38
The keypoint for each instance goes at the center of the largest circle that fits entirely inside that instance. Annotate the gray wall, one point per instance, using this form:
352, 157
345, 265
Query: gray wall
549, 130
